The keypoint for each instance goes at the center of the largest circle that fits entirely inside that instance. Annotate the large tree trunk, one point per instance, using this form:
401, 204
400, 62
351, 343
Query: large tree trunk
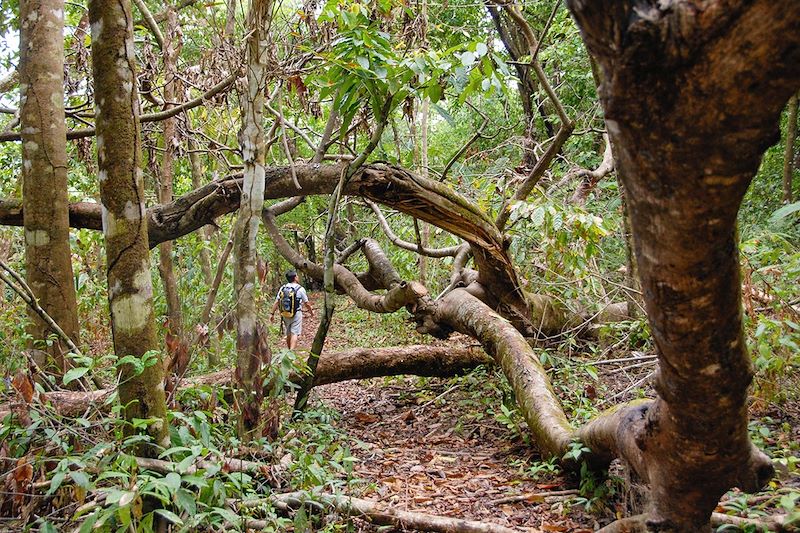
130, 289
48, 262
692, 97
166, 269
251, 345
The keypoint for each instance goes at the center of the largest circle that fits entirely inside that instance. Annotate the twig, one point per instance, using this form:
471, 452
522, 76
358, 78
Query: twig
460, 152
150, 117
151, 23
450, 251
628, 389
534, 496
642, 357
24, 291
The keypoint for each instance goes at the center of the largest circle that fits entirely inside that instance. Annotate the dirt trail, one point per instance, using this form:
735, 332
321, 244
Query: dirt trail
434, 449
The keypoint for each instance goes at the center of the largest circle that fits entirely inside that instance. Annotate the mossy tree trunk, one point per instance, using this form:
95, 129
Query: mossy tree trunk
692, 98
44, 172
130, 288
251, 344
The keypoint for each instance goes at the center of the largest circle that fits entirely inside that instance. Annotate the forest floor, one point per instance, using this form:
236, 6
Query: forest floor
449, 447
427, 445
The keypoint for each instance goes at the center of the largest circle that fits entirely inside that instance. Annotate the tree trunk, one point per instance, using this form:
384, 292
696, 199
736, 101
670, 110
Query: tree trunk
48, 262
251, 344
171, 50
788, 153
717, 75
205, 233
130, 286
424, 230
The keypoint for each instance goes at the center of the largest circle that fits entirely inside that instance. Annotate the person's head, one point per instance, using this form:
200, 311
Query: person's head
291, 276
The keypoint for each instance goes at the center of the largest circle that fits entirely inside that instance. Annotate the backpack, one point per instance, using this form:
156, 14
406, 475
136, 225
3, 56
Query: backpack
290, 301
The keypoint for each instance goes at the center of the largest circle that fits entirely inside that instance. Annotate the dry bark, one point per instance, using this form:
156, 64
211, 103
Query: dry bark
48, 263
380, 514
717, 74
171, 46
251, 346
124, 222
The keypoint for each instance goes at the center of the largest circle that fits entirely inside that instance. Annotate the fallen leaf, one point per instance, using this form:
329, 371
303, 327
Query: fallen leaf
366, 418
23, 385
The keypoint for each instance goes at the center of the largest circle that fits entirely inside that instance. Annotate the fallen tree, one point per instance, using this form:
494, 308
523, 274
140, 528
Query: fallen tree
360, 363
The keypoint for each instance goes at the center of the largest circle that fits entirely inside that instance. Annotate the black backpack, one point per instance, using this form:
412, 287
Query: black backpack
290, 301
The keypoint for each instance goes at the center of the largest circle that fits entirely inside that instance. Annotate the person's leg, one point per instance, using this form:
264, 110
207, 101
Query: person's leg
293, 330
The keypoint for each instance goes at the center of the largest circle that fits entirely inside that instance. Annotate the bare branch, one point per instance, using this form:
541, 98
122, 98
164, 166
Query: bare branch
150, 22
405, 245
151, 117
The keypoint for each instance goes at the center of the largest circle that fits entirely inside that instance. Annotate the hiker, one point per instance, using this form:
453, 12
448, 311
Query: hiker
290, 298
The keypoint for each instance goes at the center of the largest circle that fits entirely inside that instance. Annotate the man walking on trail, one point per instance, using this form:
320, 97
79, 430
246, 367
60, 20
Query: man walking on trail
291, 297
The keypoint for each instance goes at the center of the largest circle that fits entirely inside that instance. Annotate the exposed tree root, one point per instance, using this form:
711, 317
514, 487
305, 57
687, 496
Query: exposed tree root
378, 513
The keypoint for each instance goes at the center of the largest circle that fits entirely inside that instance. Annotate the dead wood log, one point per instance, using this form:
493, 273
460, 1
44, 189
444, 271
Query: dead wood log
359, 363
377, 513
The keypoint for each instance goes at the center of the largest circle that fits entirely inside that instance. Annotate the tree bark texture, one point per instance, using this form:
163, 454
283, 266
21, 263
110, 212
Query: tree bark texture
171, 49
130, 289
788, 152
48, 263
251, 346
717, 75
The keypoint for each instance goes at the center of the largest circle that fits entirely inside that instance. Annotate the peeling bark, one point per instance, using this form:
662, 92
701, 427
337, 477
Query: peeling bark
48, 264
717, 74
251, 346
130, 290
171, 46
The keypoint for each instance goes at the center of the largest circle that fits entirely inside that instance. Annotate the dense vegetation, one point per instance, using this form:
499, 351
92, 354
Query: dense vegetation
430, 87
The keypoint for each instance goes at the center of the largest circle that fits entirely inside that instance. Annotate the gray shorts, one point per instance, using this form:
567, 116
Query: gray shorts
294, 325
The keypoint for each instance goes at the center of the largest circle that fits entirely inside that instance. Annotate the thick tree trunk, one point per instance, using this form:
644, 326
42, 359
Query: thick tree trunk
251, 345
171, 49
788, 152
685, 174
130, 289
48, 262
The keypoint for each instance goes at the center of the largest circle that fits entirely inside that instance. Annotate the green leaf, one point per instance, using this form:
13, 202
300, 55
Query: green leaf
81, 479
363, 62
74, 373
481, 49
172, 481
467, 59
444, 114
435, 92
784, 212
55, 483
169, 515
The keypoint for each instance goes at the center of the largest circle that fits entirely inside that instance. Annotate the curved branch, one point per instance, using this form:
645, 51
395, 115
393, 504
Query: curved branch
398, 296
405, 245
590, 178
